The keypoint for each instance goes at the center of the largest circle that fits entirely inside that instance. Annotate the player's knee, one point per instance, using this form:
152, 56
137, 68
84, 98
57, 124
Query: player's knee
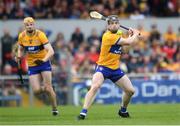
131, 91
48, 88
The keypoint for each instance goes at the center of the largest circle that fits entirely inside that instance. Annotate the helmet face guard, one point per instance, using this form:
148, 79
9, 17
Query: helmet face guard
112, 18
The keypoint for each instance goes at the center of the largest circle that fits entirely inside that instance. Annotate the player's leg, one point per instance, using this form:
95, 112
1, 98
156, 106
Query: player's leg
34, 80
128, 91
47, 81
97, 81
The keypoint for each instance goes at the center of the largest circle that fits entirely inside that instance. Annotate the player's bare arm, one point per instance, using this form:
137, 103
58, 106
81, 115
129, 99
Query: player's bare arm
19, 52
50, 52
131, 39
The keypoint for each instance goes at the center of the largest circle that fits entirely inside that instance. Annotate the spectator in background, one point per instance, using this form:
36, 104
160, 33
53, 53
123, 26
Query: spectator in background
93, 55
46, 5
85, 15
146, 51
154, 60
29, 8
7, 70
94, 36
170, 35
172, 10
76, 10
132, 65
18, 11
121, 12
132, 6
154, 33
169, 48
162, 64
147, 65
61, 9
156, 46
57, 9
139, 64
80, 54
160, 5
173, 66
86, 68
135, 52
77, 37
59, 41
8, 13
40, 11
143, 8
2, 11
144, 34
7, 42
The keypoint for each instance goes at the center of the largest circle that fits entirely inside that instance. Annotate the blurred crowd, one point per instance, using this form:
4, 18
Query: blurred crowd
79, 9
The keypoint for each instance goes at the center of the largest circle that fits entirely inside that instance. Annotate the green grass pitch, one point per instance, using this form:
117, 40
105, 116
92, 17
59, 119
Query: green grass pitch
141, 114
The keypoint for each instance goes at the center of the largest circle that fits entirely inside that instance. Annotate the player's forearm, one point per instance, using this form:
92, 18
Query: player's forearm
132, 39
19, 52
128, 41
49, 54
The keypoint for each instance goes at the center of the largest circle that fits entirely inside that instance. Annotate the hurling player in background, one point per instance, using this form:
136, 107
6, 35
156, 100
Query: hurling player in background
108, 66
39, 52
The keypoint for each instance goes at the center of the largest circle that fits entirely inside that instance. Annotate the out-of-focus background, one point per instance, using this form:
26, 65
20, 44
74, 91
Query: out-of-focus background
153, 64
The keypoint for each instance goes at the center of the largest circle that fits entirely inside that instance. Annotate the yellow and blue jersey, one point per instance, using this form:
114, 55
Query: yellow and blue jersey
109, 59
33, 45
110, 51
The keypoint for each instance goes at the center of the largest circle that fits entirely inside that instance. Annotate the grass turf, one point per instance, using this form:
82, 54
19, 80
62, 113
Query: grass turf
141, 114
